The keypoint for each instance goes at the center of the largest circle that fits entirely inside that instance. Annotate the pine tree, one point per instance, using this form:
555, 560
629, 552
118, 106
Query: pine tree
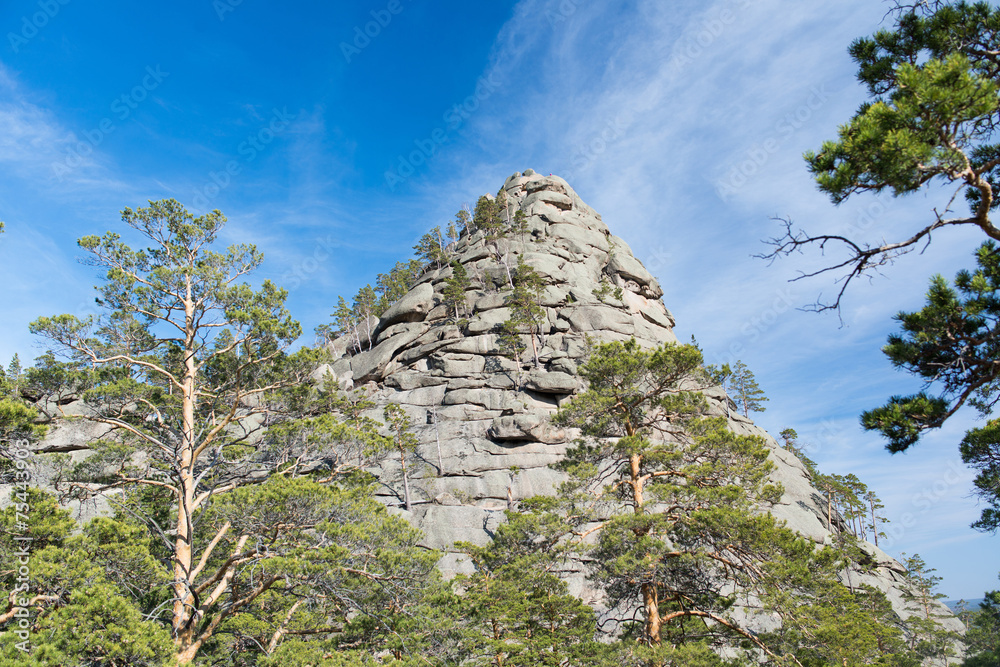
366, 313
748, 392
430, 248
456, 285
671, 497
982, 637
513, 610
519, 225
403, 441
346, 322
790, 441
526, 316
464, 221
393, 286
933, 101
874, 506
188, 465
951, 343
17, 417
927, 637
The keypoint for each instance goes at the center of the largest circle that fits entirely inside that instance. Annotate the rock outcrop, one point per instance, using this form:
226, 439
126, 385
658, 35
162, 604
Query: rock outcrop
483, 422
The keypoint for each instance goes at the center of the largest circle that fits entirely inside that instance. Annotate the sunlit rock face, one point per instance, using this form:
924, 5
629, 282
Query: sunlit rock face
483, 420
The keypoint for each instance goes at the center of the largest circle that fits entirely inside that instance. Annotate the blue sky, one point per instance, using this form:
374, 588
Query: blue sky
682, 123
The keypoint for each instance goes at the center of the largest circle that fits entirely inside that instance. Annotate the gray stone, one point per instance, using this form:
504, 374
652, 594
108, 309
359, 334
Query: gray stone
529, 427
407, 380
628, 266
369, 365
552, 382
580, 235
411, 308
600, 318
490, 301
457, 365
487, 321
424, 396
560, 201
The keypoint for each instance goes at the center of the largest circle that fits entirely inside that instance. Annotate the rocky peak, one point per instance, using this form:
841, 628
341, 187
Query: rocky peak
483, 422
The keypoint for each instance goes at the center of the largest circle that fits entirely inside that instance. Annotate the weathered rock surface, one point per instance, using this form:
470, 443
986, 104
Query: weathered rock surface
483, 421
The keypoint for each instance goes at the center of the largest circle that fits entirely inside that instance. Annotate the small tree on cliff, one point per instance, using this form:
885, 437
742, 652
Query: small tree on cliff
526, 315
747, 392
672, 497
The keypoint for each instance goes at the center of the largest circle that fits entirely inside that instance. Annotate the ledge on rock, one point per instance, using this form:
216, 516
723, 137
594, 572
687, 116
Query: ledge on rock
551, 383
411, 308
525, 428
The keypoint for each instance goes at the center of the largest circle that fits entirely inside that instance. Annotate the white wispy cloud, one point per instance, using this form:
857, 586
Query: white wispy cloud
650, 109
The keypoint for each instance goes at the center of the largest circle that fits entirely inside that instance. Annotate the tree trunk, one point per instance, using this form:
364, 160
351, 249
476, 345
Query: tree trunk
182, 622
651, 608
406, 481
437, 435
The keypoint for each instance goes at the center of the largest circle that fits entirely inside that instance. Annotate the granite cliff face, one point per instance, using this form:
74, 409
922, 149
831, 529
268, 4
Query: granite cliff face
482, 420
485, 444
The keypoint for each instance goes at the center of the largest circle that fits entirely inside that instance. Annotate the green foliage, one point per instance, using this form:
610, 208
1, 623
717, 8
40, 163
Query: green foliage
926, 637
838, 627
747, 392
526, 315
17, 417
606, 290
980, 449
394, 285
673, 492
514, 610
934, 91
430, 248
982, 637
951, 343
455, 287
932, 117
97, 626
488, 219
403, 440
188, 369
463, 219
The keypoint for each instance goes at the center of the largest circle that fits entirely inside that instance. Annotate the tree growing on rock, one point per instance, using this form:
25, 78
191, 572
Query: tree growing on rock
927, 638
431, 248
404, 442
673, 497
393, 286
188, 368
455, 287
747, 392
526, 313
